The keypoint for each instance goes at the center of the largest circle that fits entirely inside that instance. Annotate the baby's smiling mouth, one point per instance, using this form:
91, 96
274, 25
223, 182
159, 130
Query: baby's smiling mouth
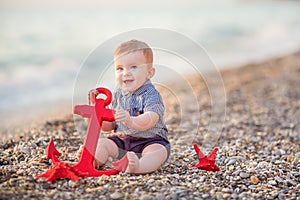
127, 81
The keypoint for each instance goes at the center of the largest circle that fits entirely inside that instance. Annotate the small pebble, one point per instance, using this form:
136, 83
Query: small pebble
272, 182
279, 152
174, 196
116, 195
160, 197
281, 196
290, 158
231, 162
146, 197
254, 180
244, 175
291, 182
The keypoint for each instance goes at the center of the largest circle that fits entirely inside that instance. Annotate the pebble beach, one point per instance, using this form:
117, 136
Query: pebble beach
259, 146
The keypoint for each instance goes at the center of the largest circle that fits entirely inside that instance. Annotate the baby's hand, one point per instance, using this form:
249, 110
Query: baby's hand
92, 92
124, 117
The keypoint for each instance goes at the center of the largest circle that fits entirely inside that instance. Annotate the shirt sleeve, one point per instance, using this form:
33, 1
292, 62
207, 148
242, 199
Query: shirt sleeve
154, 103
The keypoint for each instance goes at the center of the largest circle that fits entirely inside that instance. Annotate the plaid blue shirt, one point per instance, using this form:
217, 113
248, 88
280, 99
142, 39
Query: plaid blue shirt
144, 99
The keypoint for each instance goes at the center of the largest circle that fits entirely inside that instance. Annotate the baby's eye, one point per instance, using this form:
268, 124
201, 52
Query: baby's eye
119, 68
133, 67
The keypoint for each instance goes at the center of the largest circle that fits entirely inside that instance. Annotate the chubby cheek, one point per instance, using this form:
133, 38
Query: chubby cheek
118, 79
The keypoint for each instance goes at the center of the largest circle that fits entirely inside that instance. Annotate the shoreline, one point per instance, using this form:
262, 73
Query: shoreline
259, 151
12, 128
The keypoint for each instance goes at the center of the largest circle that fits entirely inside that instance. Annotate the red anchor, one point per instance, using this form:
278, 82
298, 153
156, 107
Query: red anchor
206, 162
97, 114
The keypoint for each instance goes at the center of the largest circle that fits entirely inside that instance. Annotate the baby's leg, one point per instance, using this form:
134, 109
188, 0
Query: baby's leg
105, 148
153, 156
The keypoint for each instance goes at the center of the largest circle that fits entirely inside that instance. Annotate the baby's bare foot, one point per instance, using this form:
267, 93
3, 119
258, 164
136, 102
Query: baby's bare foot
133, 162
97, 164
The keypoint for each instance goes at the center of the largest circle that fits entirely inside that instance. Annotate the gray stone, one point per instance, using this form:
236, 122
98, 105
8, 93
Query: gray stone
231, 162
244, 175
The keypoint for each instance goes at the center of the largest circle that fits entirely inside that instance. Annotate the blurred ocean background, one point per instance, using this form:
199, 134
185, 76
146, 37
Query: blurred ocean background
44, 43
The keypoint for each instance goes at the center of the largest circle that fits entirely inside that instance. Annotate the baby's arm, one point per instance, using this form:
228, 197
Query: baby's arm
108, 126
142, 122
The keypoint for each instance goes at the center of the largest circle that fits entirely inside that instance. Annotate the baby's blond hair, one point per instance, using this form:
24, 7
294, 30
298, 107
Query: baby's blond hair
135, 45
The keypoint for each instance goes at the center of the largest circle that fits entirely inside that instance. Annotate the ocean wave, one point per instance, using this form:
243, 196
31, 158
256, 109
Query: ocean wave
29, 83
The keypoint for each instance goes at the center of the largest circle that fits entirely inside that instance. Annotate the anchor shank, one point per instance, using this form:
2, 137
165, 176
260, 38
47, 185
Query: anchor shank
93, 133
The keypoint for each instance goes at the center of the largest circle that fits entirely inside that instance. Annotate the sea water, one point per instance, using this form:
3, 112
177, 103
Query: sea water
43, 46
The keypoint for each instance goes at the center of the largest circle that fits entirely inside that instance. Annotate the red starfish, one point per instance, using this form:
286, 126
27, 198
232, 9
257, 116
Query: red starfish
59, 169
206, 162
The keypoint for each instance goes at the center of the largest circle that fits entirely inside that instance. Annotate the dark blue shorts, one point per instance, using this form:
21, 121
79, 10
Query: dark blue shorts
137, 144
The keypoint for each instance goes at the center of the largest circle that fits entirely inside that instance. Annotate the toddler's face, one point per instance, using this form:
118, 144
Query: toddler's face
132, 71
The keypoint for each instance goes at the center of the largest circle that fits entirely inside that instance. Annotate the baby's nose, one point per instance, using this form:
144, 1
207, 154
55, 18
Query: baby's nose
126, 71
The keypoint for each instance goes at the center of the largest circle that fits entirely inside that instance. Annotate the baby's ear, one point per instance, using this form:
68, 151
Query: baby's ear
151, 72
